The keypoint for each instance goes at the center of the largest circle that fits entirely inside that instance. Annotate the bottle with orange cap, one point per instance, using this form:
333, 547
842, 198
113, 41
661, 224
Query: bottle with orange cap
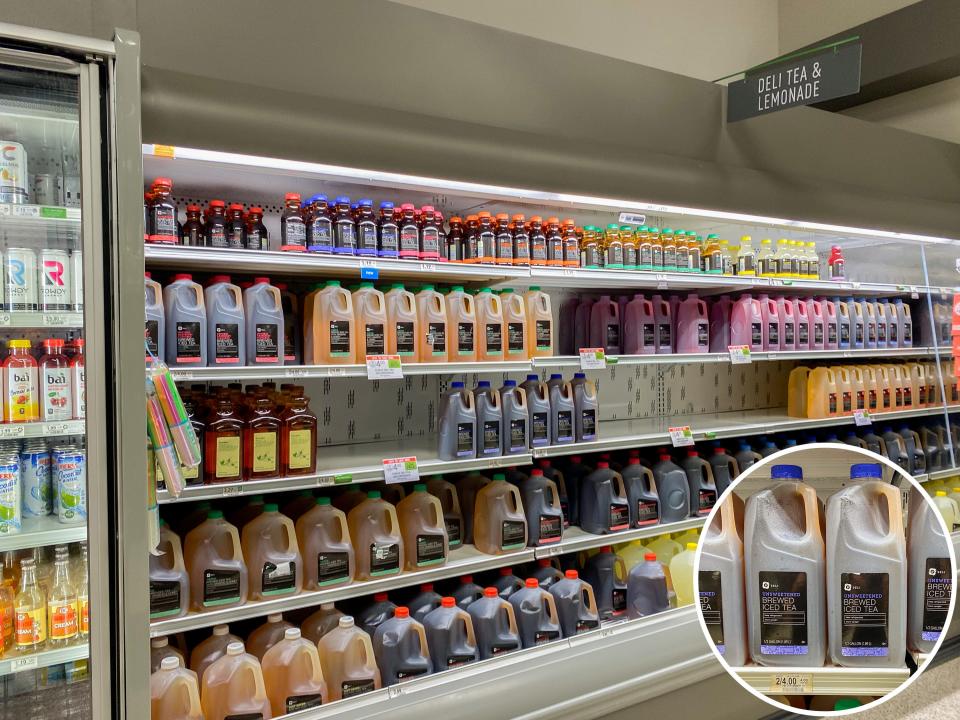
193, 227
571, 244
235, 230
471, 250
163, 213
214, 225
554, 240
293, 231
538, 241
521, 240
504, 240
486, 239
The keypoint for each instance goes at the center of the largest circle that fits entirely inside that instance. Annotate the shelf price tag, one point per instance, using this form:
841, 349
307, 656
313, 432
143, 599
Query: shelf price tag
401, 470
54, 320
4, 318
861, 417
23, 663
791, 683
164, 151
12, 431
629, 218
384, 367
295, 372
739, 354
681, 436
592, 359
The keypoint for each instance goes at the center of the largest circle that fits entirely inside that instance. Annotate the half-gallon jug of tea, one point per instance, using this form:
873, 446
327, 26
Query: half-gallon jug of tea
271, 554
226, 326
703, 489
490, 328
423, 529
604, 507
458, 424
324, 540
330, 326
539, 323
929, 578
186, 323
375, 533
450, 636
214, 559
541, 504
562, 410
673, 490
347, 661
722, 601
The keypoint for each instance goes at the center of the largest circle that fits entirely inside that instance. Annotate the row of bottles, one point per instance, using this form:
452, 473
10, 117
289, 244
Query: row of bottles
776, 590
665, 325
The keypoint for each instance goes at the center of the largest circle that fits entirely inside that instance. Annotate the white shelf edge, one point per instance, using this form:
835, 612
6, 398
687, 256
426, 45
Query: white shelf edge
42, 659
39, 532
42, 429
824, 680
576, 539
26, 212
294, 372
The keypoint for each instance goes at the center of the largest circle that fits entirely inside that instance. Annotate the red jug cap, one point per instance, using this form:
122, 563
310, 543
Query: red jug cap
402, 612
490, 592
571, 575
532, 583
506, 571
380, 597
603, 464
448, 602
650, 557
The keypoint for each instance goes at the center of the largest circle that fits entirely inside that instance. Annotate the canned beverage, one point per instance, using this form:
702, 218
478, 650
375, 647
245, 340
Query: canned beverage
70, 472
55, 280
13, 172
10, 513
76, 278
37, 499
46, 189
21, 279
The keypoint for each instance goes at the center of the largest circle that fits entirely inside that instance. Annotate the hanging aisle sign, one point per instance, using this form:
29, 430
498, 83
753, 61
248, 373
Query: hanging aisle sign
805, 80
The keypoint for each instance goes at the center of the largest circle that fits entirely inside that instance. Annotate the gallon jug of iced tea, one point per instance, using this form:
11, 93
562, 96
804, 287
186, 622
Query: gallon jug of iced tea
494, 624
831, 340
450, 636
725, 469
703, 488
186, 323
604, 507
576, 604
823, 393
468, 592
402, 323
270, 551
641, 492
499, 523
330, 326
817, 324
324, 541
586, 405
606, 573
214, 559
536, 612
267, 635
538, 407
647, 588
929, 576
400, 646
160, 649
721, 573
446, 492
639, 327
375, 613
770, 318
461, 326
292, 675
424, 602
174, 692
490, 326
423, 529
347, 661
169, 580
541, 504
211, 649
784, 561
458, 424
562, 410
673, 490
539, 323
515, 419
866, 572
370, 321
516, 338
432, 313
605, 325
693, 326
664, 324
321, 622
803, 323
227, 330
375, 533
263, 310
155, 329
233, 687
788, 323
747, 457
489, 420
467, 489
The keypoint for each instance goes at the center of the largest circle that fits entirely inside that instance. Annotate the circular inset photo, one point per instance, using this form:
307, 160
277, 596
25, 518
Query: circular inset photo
825, 578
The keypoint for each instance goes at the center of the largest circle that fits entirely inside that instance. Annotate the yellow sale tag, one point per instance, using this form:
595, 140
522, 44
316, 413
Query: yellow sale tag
163, 151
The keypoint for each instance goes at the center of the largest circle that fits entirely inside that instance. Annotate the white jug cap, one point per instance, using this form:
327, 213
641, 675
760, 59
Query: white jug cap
221, 629
171, 662
346, 621
291, 634
235, 648
159, 642
275, 617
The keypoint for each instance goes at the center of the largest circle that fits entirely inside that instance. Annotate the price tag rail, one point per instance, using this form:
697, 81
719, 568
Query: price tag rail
822, 681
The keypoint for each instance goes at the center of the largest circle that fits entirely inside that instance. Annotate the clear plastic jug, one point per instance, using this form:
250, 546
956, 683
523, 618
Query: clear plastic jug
347, 661
211, 649
604, 507
271, 555
434, 338
823, 393
446, 492
377, 612
746, 323
539, 323
321, 622
673, 490
817, 324
213, 556
720, 312
562, 410
515, 419
538, 407
489, 420
516, 338
721, 573
330, 326
370, 322
186, 323
267, 635
174, 692
169, 580
607, 575
160, 648
458, 424
703, 488
233, 686
263, 310
324, 541
586, 405
375, 533
541, 504
400, 646
576, 604
423, 529
664, 323
804, 335
156, 322
461, 326
227, 328
450, 636
536, 613
681, 572
641, 492
292, 675
490, 326
647, 588
467, 489
499, 524
929, 575
770, 317
403, 325
831, 339
725, 469
494, 624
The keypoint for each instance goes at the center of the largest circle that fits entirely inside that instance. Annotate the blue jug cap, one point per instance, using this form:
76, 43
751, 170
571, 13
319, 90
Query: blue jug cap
509, 383
579, 376
832, 436
483, 384
745, 446
866, 470
791, 442
456, 384
888, 429
556, 376
786, 472
364, 201
533, 376
386, 205
343, 199
313, 198
770, 444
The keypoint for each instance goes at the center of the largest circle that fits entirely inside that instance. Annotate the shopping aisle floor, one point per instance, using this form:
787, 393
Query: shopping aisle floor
934, 696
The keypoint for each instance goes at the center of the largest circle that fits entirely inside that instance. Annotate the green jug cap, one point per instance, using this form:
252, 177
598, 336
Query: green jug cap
457, 288
332, 283
366, 284
271, 507
426, 287
613, 226
534, 288
668, 230
419, 487
373, 494
655, 229
486, 290
712, 236
507, 290
323, 500
499, 476
397, 286
215, 515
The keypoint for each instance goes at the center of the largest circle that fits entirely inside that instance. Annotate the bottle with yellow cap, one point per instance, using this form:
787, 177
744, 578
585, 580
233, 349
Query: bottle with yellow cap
782, 257
20, 402
746, 257
681, 571
767, 265
813, 267
728, 258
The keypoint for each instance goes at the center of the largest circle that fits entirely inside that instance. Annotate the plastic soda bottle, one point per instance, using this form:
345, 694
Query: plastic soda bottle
174, 692
347, 661
233, 686
292, 675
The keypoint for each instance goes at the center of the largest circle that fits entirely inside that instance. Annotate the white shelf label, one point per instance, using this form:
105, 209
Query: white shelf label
791, 683
231, 490
54, 320
384, 367
23, 663
632, 218
4, 318
60, 428
394, 691
295, 372
681, 436
592, 359
401, 470
336, 371
182, 374
325, 481
12, 431
26, 211
740, 354
861, 417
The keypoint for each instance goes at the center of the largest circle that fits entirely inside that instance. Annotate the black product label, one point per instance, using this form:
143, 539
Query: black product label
858, 333
783, 613
873, 400
619, 516
769, 266
665, 334
908, 396
345, 234
279, 578
409, 239
803, 333
907, 333
430, 550
551, 528
773, 333
847, 402
861, 400
893, 331
586, 625
588, 423
818, 333
564, 425
500, 648
454, 530
845, 333
293, 232
703, 334
619, 600
164, 221
289, 335
384, 558
458, 660
899, 397
437, 337
491, 437
832, 403
707, 499
373, 338
871, 332
388, 238
245, 716
352, 688
235, 238
613, 336
216, 236
303, 702
788, 333
189, 342
518, 434
165, 598
539, 429
494, 337
756, 334
340, 341
937, 589
406, 342
321, 232
431, 241
465, 446
542, 637
465, 332
882, 332
657, 255
228, 343
332, 567
864, 614
268, 347
648, 512
513, 534
832, 333
515, 337
153, 338
367, 235
543, 335
220, 587
649, 336
254, 241
406, 674
711, 605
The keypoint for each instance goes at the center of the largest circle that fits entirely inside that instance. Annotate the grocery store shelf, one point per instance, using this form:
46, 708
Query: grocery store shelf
17, 319
644, 432
18, 663
42, 429
937, 475
319, 267
461, 561
594, 674
41, 216
822, 681
574, 539
264, 372
38, 532
341, 464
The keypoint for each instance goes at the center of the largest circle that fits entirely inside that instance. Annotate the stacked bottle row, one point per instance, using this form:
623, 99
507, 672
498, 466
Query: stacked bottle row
264, 324
485, 422
664, 325
778, 591
46, 383
838, 390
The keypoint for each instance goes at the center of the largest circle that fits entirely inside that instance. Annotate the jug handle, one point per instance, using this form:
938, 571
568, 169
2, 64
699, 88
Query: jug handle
708, 469
437, 510
554, 494
621, 568
551, 606
422, 634
621, 487
511, 617
238, 295
277, 297
891, 496
290, 533
394, 521
809, 495
198, 291
468, 626
587, 591
517, 500
344, 528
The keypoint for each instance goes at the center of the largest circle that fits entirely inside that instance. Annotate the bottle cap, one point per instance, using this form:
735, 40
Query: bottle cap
483, 384
504, 571
633, 461
491, 592
332, 283
448, 602
544, 463
346, 622
509, 383
650, 557
386, 205
419, 487
271, 507
941, 493
219, 279
373, 494
217, 204
364, 201
536, 472
402, 612
255, 210
556, 376
691, 546
165, 181
426, 587
579, 376
323, 500
215, 515
664, 456
866, 470
544, 562
534, 377
456, 384
235, 648
292, 633
692, 453
182, 276
499, 477
466, 579
532, 583
602, 465
571, 575
171, 662
786, 472
345, 200
380, 597
606, 549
